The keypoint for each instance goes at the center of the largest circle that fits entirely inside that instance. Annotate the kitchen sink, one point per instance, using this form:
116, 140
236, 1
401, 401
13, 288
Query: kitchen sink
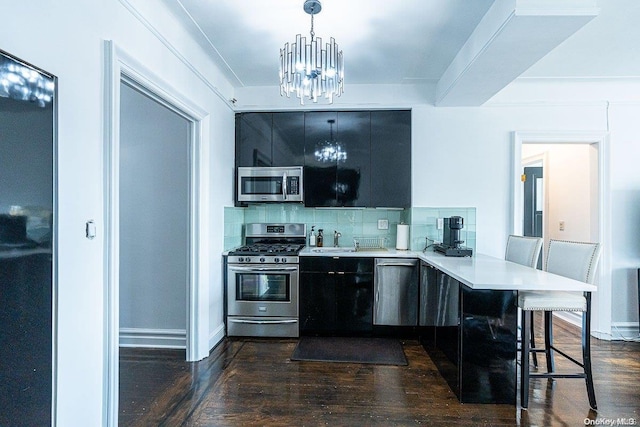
331, 249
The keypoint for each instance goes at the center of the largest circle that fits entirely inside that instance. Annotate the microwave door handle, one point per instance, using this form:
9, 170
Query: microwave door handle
284, 185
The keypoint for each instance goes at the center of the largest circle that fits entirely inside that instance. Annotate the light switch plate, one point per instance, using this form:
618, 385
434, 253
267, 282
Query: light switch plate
383, 224
440, 223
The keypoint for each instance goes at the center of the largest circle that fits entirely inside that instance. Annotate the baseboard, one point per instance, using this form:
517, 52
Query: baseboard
620, 331
216, 336
575, 318
153, 338
626, 331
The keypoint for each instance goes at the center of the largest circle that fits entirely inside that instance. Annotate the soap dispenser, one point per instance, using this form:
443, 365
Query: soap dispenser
320, 240
312, 236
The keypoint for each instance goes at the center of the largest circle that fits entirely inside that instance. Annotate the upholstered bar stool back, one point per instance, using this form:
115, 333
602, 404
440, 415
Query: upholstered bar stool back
575, 260
523, 250
578, 261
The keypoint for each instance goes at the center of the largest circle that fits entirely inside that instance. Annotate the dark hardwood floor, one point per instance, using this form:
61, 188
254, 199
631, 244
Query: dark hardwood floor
253, 382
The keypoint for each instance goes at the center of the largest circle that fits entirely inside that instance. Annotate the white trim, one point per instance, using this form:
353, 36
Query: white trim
153, 338
119, 66
601, 313
572, 317
217, 335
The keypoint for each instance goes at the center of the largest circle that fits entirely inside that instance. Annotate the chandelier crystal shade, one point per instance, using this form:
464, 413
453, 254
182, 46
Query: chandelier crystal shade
311, 70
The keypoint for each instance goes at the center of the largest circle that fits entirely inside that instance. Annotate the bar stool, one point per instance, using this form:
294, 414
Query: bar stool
575, 260
526, 251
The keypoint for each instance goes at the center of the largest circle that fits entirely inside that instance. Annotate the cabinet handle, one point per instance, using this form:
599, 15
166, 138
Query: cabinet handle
340, 272
397, 264
332, 272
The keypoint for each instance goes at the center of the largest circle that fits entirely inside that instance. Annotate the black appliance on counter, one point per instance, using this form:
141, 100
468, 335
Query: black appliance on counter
451, 243
262, 281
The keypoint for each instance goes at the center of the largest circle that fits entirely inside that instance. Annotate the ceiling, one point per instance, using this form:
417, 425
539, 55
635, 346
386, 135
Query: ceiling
453, 44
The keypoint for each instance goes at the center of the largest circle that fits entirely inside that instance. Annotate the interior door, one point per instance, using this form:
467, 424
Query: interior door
533, 203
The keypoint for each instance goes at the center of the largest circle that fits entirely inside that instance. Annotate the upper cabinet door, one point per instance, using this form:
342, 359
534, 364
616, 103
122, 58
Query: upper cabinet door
350, 158
353, 183
320, 169
253, 139
287, 146
391, 159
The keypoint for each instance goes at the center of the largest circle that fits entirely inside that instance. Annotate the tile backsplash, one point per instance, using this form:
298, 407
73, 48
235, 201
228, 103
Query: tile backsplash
351, 222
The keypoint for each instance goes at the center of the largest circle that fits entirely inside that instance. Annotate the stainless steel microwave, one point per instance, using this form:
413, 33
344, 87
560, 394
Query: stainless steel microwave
270, 184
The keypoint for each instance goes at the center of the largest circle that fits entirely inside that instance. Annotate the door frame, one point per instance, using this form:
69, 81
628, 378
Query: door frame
601, 315
120, 66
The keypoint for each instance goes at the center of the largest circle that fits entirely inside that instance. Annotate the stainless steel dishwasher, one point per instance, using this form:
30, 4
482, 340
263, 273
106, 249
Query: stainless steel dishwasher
396, 292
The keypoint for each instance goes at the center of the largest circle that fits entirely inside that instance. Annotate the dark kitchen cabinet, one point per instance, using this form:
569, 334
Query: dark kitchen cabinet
270, 139
475, 354
338, 159
336, 295
391, 159
350, 158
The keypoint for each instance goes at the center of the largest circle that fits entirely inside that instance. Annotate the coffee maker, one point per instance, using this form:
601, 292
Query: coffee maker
451, 242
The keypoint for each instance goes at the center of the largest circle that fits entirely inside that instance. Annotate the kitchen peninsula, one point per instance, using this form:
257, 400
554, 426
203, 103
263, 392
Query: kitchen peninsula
471, 328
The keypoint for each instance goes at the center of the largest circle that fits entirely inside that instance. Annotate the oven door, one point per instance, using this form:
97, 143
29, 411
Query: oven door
262, 290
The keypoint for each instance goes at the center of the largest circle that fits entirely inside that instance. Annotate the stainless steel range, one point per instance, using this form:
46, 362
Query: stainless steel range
262, 281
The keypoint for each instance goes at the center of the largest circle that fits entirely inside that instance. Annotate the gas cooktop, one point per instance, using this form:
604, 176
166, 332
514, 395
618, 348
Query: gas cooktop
268, 249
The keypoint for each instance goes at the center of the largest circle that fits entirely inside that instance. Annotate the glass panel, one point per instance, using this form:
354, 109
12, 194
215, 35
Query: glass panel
27, 138
262, 185
262, 287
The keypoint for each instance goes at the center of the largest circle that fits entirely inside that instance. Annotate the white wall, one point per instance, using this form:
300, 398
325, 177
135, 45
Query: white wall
154, 220
66, 39
462, 157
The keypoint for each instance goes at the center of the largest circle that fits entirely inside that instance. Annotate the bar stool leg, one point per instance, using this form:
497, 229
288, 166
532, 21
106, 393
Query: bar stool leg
524, 358
548, 340
533, 342
586, 352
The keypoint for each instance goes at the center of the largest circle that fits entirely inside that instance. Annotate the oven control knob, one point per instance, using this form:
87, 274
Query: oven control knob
262, 259
276, 259
284, 260
240, 259
247, 259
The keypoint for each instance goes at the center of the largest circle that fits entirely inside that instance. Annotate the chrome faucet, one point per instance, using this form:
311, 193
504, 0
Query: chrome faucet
336, 237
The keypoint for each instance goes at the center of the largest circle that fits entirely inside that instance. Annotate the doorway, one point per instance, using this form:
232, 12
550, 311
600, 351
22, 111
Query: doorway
122, 68
154, 167
576, 199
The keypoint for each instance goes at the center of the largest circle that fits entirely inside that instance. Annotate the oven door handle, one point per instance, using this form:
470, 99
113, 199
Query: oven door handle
251, 269
263, 322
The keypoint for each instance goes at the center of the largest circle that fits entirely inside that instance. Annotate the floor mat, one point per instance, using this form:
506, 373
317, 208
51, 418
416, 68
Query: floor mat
380, 351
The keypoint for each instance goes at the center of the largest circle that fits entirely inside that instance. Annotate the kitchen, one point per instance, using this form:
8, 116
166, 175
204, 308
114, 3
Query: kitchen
475, 142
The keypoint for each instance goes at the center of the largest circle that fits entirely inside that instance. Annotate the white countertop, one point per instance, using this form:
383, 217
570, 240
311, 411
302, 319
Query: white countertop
477, 272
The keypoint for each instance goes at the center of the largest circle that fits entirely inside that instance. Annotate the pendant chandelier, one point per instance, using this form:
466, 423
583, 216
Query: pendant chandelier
308, 69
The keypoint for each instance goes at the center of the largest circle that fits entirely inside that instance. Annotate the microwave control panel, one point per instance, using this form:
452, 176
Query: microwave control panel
293, 185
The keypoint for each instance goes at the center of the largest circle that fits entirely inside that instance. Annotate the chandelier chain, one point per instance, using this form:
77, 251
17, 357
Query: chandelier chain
312, 32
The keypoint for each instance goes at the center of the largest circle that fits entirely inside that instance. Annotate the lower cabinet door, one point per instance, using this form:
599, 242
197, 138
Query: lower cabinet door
317, 304
354, 302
